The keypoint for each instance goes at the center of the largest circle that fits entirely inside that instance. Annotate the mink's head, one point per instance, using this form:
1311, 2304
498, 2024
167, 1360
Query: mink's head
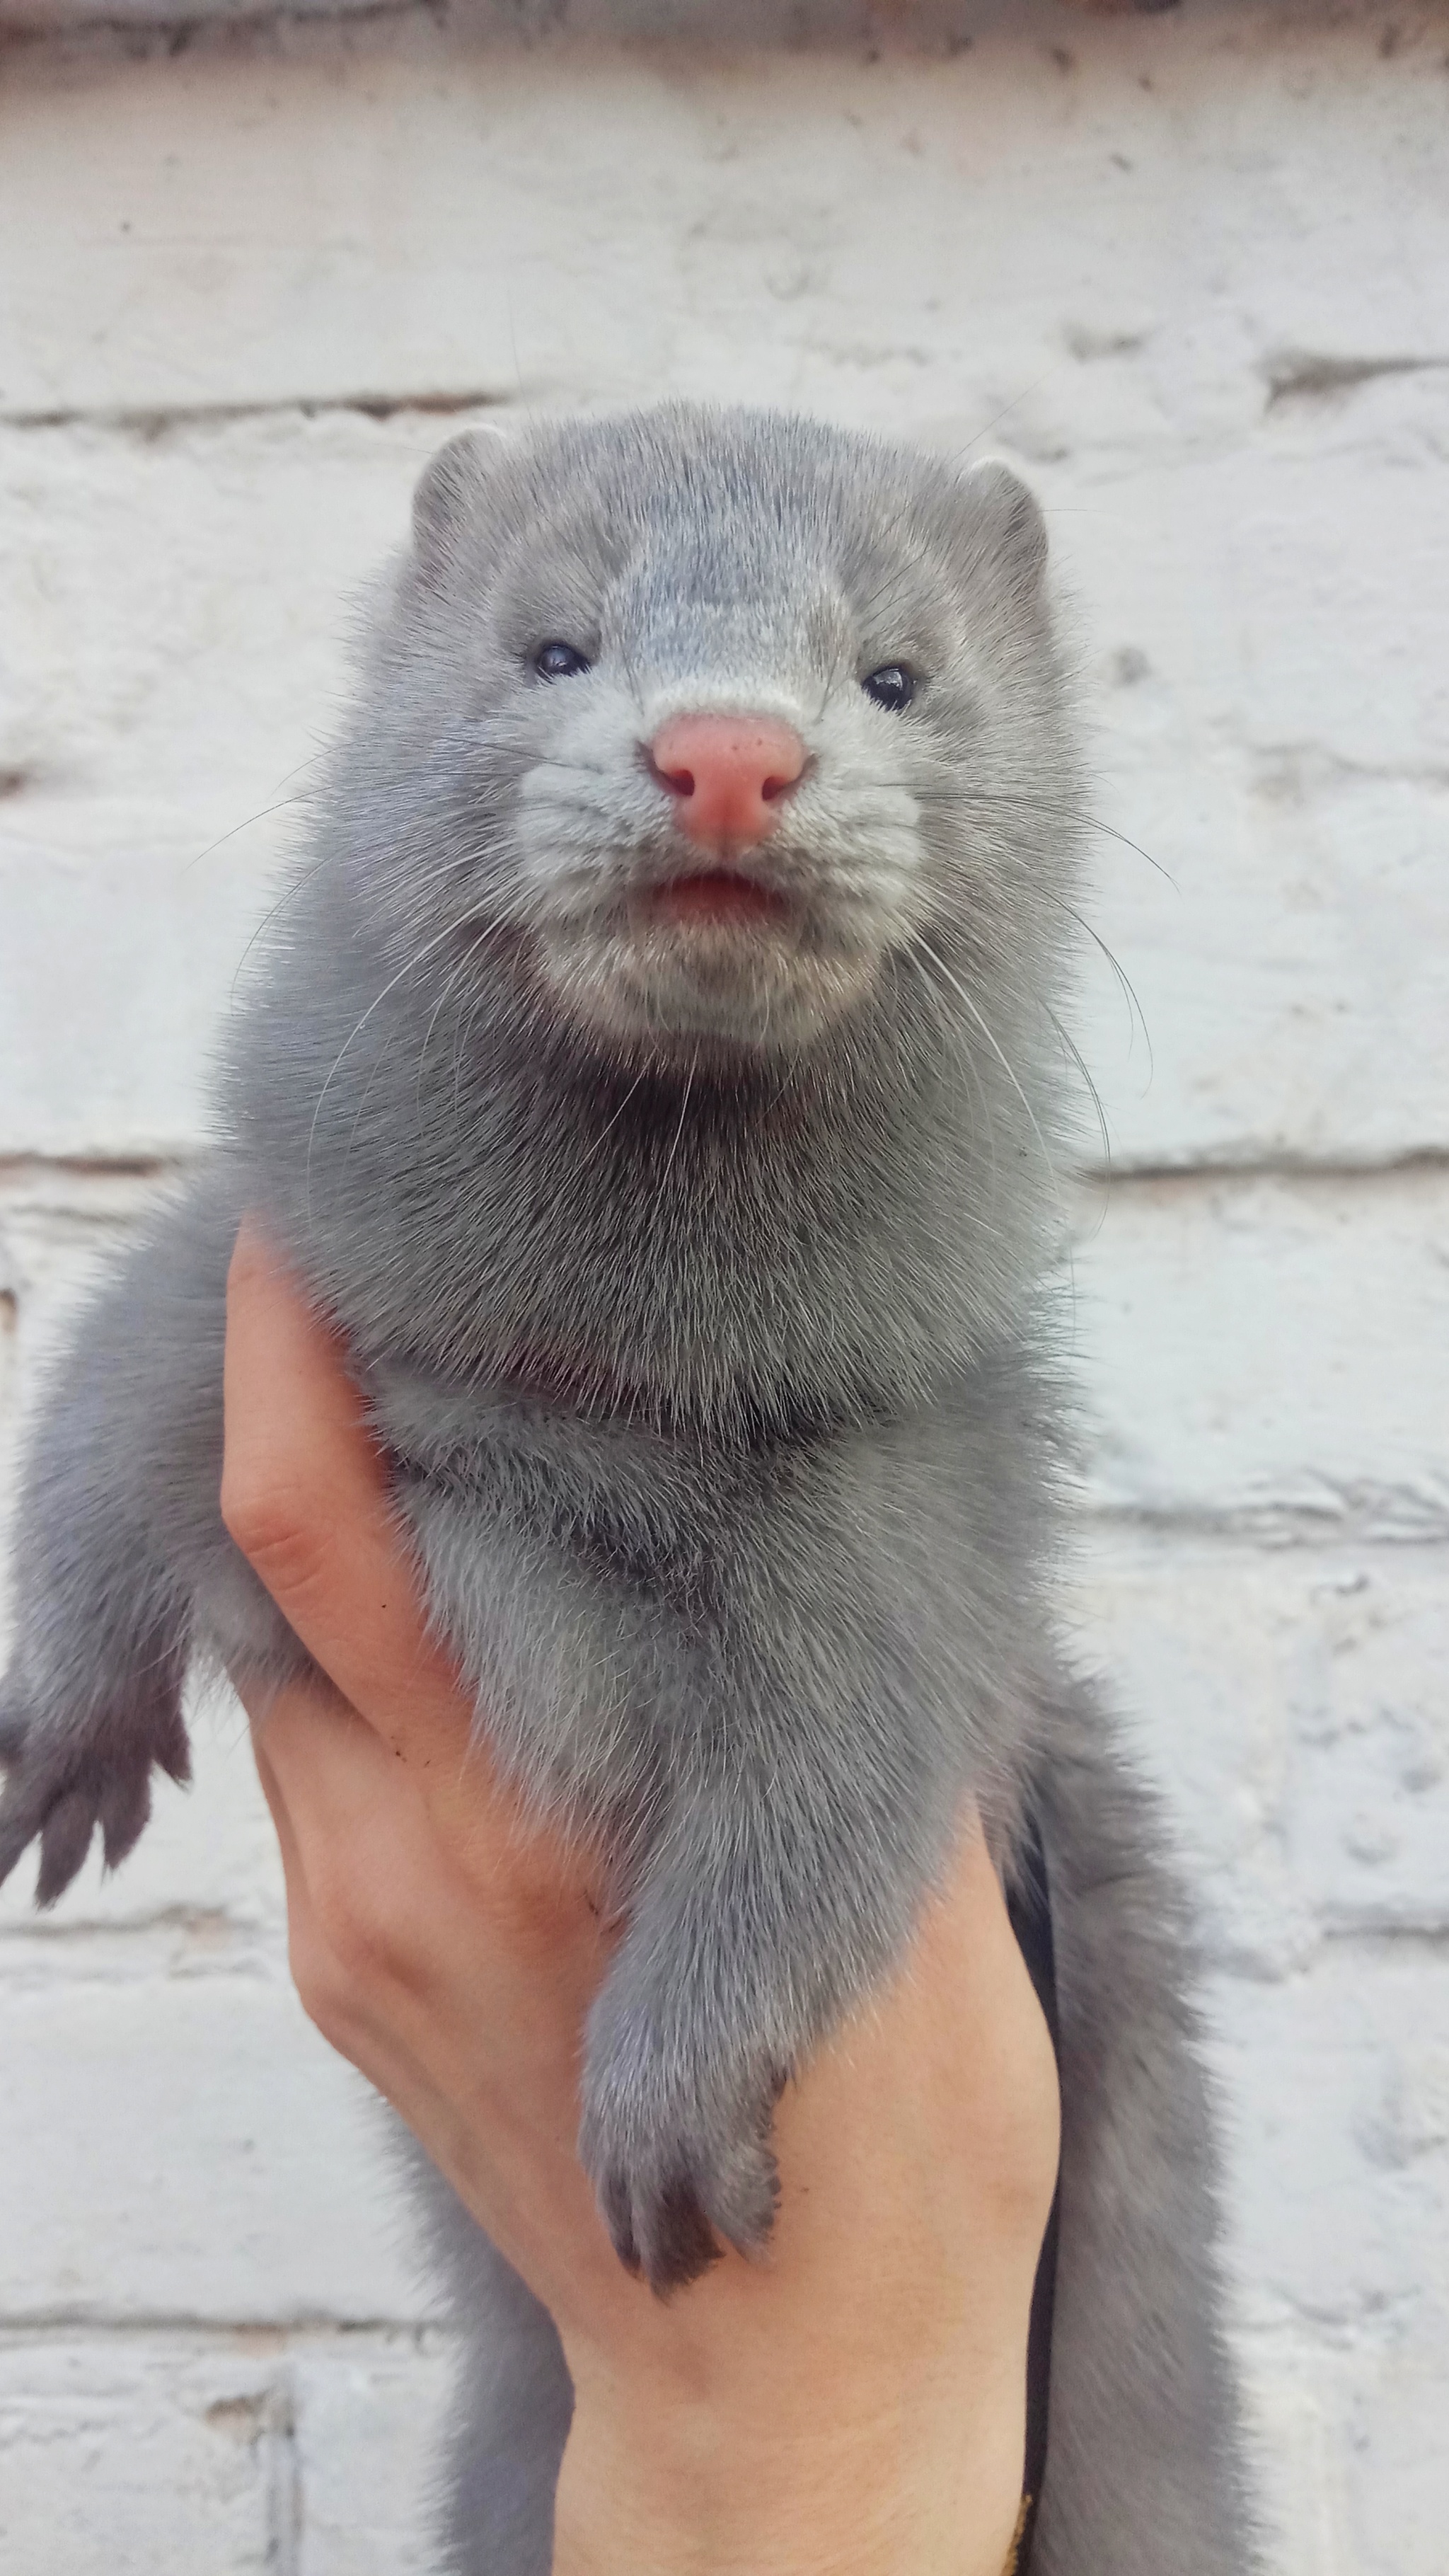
708, 722
674, 970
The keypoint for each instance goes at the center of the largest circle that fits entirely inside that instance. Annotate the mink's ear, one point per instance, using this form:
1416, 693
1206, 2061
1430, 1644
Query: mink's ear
1012, 529
452, 485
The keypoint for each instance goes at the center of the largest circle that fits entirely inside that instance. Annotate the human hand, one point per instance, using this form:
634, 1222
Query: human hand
855, 2402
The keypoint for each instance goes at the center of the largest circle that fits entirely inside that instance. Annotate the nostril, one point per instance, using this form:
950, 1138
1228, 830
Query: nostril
728, 774
679, 781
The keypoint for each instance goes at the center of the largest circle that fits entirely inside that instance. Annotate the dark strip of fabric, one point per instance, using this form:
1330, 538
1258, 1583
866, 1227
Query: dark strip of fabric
1028, 1903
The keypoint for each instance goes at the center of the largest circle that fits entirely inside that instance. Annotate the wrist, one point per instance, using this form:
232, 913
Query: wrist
671, 2479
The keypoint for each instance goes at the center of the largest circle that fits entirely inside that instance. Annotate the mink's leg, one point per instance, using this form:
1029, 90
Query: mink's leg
775, 1896
1143, 2466
783, 1714
119, 1542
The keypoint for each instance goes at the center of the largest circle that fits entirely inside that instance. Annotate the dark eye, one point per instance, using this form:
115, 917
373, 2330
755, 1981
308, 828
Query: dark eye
557, 661
892, 687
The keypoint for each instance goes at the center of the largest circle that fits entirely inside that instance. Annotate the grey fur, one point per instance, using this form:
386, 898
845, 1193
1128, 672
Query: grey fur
698, 1292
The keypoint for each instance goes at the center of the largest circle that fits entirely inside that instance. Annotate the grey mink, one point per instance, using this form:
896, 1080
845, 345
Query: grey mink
658, 1075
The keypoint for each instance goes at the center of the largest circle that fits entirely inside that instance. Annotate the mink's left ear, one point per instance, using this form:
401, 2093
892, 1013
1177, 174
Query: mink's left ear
1012, 529
454, 483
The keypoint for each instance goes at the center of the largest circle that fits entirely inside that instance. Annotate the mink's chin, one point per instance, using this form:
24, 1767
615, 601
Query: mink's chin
704, 970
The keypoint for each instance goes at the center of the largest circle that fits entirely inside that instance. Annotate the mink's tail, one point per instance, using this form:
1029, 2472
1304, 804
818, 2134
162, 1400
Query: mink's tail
1144, 2453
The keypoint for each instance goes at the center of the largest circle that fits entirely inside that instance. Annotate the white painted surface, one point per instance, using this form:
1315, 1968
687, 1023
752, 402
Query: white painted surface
1147, 257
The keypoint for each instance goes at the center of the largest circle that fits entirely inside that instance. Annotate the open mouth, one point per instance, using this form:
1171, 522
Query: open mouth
717, 895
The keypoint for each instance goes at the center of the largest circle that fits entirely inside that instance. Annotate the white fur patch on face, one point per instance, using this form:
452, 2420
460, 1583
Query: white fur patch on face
589, 815
596, 837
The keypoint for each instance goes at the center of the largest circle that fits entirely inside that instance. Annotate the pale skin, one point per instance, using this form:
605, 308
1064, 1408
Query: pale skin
854, 2403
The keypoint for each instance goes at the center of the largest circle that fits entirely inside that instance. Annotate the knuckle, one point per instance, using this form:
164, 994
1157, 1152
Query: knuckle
326, 1996
353, 1932
279, 1529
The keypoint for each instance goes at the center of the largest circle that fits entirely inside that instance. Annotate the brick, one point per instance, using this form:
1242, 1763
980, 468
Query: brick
162, 720
335, 230
371, 2413
1274, 1350
250, 2449
184, 2144
1297, 2402
119, 2459
1288, 1701
1340, 2191
1396, 2429
1339, 2223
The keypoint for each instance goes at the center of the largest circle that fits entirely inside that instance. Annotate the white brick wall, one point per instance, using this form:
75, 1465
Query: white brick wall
1193, 271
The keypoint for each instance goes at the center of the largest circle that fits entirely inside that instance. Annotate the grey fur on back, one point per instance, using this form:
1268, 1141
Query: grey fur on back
698, 1289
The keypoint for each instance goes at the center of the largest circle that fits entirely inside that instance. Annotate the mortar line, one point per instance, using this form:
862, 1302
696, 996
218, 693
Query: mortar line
160, 420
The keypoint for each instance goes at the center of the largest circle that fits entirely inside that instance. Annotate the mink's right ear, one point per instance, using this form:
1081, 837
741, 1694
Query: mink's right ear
1009, 523
451, 487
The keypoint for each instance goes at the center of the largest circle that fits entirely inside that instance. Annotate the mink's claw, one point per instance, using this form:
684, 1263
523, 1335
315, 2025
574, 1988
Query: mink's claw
59, 1789
677, 2183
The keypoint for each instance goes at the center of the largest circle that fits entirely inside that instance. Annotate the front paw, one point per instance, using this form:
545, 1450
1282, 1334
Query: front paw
62, 1782
678, 2164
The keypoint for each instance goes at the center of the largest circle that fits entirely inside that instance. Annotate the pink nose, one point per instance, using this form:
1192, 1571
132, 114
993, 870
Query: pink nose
728, 775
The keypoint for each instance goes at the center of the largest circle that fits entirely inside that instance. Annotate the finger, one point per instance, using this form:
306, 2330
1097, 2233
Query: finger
305, 1496
352, 1817
357, 2015
274, 1793
421, 1973
366, 1879
333, 1785
357, 1843
306, 1499
302, 1931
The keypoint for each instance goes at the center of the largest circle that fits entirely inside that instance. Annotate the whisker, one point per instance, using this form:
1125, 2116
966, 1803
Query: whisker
448, 931
460, 1049
378, 1062
245, 825
1071, 1049
679, 1130
991, 1040
450, 986
1065, 813
965, 1057
1127, 987
288, 895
